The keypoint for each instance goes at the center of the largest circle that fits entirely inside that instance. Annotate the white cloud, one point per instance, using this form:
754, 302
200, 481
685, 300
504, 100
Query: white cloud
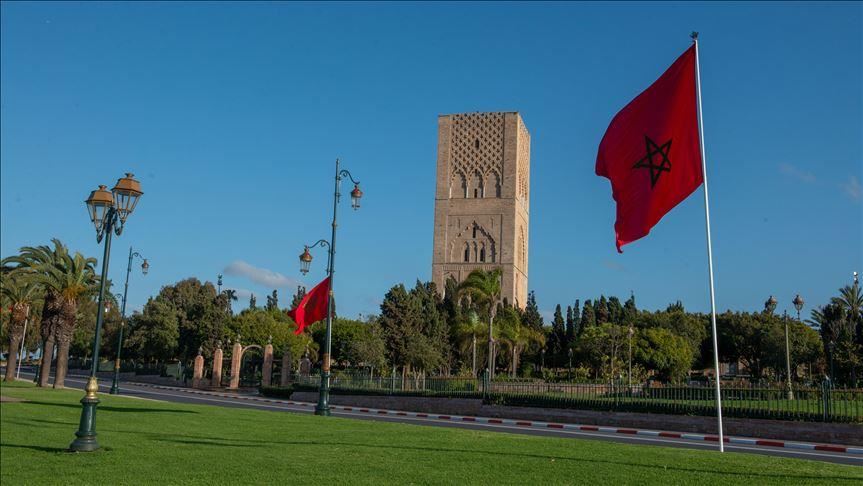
798, 174
852, 188
261, 276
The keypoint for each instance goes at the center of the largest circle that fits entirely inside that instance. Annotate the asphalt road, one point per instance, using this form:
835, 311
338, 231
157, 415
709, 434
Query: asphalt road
181, 396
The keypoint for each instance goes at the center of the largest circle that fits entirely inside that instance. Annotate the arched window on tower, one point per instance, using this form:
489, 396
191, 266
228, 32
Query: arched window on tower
474, 231
477, 185
466, 252
460, 183
494, 181
482, 253
475, 252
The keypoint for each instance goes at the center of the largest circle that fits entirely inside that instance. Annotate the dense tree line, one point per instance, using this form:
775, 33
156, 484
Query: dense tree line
422, 331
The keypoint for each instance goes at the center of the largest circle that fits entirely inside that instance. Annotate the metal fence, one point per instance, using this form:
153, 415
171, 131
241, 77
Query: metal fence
823, 404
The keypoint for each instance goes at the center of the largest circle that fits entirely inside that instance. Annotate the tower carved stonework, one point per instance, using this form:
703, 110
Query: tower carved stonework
482, 199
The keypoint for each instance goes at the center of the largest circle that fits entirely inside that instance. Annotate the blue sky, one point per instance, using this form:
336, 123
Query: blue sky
231, 115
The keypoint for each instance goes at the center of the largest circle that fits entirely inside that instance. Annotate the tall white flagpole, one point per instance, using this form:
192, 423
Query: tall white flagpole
709, 246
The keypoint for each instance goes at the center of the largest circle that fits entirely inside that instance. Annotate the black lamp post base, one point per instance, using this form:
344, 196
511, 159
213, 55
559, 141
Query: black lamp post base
115, 389
323, 406
86, 434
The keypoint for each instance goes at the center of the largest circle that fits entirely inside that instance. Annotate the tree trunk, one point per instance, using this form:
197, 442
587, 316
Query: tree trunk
62, 364
17, 321
47, 356
12, 359
63, 333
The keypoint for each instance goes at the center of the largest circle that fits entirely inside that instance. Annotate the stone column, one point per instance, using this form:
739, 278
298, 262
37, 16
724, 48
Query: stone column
287, 361
305, 366
198, 372
236, 354
217, 365
267, 371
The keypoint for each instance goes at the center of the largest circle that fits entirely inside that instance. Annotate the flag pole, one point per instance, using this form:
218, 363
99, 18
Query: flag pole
694, 36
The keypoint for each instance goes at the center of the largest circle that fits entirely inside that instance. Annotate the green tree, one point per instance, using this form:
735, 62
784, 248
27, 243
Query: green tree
670, 356
413, 329
202, 315
602, 315
230, 295
557, 338
483, 290
20, 296
615, 311
746, 338
273, 300
66, 279
531, 317
155, 333
588, 316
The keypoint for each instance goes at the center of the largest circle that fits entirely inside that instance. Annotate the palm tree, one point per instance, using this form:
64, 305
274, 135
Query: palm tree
516, 337
851, 301
230, 295
467, 330
20, 296
483, 288
65, 279
27, 260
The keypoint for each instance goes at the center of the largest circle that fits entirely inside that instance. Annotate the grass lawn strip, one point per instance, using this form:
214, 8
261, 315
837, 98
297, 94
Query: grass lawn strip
160, 442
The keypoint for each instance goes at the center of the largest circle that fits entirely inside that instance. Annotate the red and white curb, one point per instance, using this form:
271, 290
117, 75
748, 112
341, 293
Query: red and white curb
538, 425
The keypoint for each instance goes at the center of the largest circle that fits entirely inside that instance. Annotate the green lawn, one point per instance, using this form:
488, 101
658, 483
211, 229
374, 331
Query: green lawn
157, 442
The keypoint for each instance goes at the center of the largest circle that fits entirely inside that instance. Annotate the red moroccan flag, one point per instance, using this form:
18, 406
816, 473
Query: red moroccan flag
312, 307
651, 151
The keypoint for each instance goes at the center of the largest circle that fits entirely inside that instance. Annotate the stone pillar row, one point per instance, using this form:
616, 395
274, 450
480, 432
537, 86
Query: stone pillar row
236, 360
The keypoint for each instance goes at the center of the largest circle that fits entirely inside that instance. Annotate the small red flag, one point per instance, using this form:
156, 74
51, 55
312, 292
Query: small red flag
312, 307
651, 151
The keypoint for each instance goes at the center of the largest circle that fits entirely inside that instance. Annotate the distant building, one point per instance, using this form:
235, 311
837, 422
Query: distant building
482, 200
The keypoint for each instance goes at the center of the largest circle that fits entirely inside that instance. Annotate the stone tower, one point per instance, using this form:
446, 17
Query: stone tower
482, 200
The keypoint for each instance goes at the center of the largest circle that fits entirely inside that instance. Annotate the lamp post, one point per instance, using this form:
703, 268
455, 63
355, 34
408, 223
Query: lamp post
787, 358
323, 406
631, 332
108, 212
145, 267
569, 353
542, 360
219, 283
831, 346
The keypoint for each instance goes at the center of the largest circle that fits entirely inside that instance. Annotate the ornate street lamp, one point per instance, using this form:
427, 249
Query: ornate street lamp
798, 304
831, 346
542, 359
219, 283
323, 407
108, 211
306, 259
145, 267
770, 305
569, 353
